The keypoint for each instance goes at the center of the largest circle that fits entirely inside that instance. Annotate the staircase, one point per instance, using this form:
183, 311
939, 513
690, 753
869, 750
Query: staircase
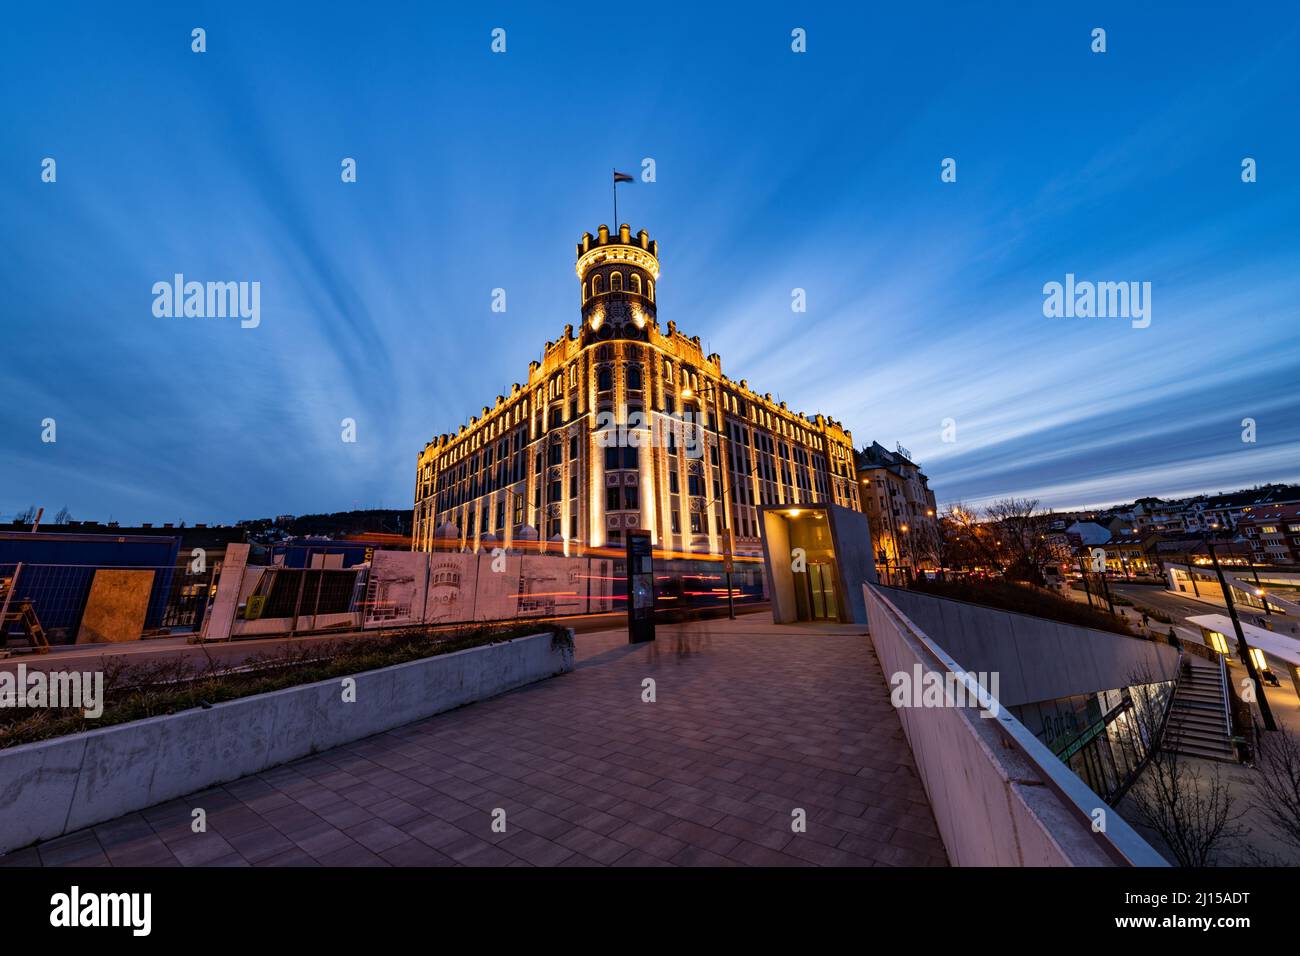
1198, 720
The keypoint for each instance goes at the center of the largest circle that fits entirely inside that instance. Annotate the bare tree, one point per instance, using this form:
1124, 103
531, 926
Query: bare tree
1277, 785
1022, 537
928, 541
972, 541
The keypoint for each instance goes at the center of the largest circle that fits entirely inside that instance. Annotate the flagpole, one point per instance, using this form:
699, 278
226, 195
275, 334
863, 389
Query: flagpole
614, 178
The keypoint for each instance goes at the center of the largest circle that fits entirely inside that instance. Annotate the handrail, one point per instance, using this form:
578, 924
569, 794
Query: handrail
1227, 703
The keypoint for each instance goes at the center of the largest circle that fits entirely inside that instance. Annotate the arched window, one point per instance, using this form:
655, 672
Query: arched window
596, 285
616, 282
651, 286
636, 283
634, 377
585, 293
604, 380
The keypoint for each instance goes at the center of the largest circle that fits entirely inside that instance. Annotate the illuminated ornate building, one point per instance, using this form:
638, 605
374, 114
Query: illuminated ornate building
539, 465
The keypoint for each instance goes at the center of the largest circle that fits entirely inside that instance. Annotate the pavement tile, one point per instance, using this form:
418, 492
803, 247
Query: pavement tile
376, 835
588, 774
415, 853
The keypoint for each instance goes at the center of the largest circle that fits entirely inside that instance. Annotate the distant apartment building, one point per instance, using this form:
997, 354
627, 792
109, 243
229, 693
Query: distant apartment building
1274, 534
1156, 514
900, 509
1131, 555
1226, 511
1196, 515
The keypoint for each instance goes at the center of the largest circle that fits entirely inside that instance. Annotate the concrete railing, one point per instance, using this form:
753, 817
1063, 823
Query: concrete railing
1036, 659
999, 796
57, 786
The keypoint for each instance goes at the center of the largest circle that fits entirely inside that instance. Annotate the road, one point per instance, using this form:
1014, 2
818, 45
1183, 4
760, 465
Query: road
1179, 607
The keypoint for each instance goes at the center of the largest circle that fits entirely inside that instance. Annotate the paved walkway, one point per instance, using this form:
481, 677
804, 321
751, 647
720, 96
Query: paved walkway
751, 722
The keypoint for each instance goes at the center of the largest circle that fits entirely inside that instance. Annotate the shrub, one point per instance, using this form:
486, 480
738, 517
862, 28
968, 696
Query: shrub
1024, 599
151, 689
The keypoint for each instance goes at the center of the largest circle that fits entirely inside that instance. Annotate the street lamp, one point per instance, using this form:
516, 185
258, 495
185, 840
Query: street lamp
728, 550
1259, 589
908, 549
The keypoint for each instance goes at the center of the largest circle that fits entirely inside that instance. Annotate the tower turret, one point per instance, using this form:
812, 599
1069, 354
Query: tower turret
618, 274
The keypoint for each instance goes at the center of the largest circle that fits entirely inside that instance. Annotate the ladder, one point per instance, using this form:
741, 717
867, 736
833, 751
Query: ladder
24, 615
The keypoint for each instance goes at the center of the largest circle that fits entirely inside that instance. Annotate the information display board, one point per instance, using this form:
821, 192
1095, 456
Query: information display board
640, 588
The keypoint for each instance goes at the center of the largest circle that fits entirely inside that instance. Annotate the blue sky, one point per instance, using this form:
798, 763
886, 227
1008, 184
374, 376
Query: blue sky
775, 170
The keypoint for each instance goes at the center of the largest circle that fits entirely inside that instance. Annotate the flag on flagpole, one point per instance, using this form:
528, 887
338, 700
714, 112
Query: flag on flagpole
618, 178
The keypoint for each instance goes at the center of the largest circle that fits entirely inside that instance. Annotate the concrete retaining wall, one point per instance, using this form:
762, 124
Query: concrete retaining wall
57, 786
1000, 798
1035, 659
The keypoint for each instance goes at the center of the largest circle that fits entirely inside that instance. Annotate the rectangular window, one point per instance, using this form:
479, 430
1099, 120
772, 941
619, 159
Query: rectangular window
672, 483
611, 458
573, 486
677, 523
630, 498
611, 499
695, 522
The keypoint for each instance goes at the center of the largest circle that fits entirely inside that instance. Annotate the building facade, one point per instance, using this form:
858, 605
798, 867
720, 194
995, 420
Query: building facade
1273, 533
900, 509
621, 425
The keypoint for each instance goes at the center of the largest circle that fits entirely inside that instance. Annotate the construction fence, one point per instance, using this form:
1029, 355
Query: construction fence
403, 588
